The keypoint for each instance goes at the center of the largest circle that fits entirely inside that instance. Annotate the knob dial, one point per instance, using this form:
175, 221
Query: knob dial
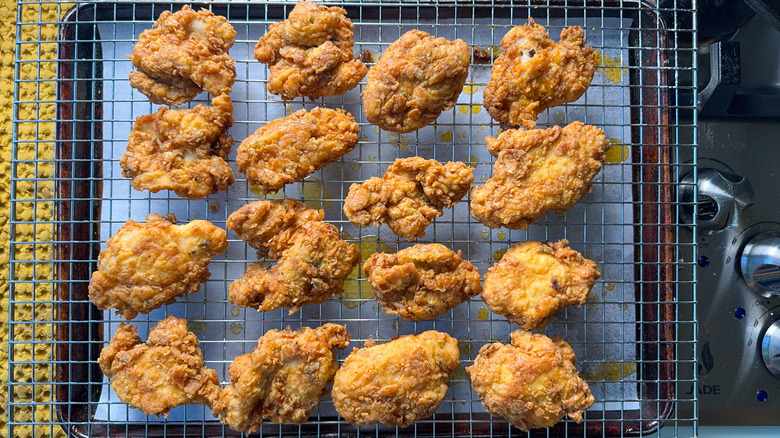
770, 348
760, 264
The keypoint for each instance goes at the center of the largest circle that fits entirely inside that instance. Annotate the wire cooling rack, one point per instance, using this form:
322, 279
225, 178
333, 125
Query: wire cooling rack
633, 338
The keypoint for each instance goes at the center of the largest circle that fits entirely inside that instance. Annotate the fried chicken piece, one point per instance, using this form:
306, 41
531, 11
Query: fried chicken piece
537, 171
421, 282
533, 73
396, 383
283, 379
412, 192
288, 149
533, 281
310, 53
165, 372
532, 383
185, 53
416, 79
181, 150
146, 265
312, 259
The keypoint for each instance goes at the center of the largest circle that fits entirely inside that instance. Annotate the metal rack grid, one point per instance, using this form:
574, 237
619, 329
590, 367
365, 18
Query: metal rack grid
633, 339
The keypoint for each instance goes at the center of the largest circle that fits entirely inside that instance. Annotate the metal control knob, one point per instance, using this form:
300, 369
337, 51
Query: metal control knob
720, 198
770, 348
760, 264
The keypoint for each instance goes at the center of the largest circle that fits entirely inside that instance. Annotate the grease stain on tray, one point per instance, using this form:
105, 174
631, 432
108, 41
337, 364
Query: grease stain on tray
465, 345
236, 328
484, 234
498, 254
397, 140
483, 313
357, 292
617, 152
612, 66
196, 324
612, 371
446, 136
314, 193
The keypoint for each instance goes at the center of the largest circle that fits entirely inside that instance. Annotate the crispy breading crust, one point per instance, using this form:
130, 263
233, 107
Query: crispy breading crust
533, 73
533, 281
412, 192
181, 150
185, 53
416, 79
310, 53
421, 282
312, 259
537, 171
288, 149
396, 383
532, 383
283, 379
146, 265
165, 372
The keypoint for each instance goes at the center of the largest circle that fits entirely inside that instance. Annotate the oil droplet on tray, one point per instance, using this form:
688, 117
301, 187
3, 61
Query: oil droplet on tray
483, 313
464, 109
355, 289
498, 254
610, 286
611, 66
469, 89
354, 165
463, 134
196, 324
501, 235
617, 152
288, 109
399, 141
314, 194
376, 129
235, 311
465, 345
397, 325
484, 234
372, 158
363, 138
446, 136
473, 161
236, 328
560, 116
483, 178
612, 371
213, 207
460, 373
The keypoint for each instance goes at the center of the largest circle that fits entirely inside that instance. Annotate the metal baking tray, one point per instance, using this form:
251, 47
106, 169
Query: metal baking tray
625, 336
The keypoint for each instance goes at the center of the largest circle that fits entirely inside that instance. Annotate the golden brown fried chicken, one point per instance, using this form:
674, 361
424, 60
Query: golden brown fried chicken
310, 53
312, 259
146, 265
185, 53
165, 372
537, 171
397, 383
181, 150
534, 73
416, 79
421, 282
412, 192
532, 383
288, 149
283, 379
533, 281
